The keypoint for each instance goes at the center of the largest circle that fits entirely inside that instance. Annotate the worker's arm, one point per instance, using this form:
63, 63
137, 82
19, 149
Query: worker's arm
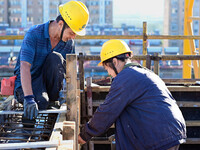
26, 78
107, 113
27, 54
30, 106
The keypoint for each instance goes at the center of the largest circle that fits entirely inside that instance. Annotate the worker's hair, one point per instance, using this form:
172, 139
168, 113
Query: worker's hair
122, 57
61, 18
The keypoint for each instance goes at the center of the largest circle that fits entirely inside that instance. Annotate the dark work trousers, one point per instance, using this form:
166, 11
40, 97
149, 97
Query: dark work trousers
47, 86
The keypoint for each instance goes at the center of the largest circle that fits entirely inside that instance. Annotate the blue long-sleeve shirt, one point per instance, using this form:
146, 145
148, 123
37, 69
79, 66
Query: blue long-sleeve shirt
145, 114
35, 48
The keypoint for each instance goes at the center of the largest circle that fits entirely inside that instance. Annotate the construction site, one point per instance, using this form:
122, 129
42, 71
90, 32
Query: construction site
59, 126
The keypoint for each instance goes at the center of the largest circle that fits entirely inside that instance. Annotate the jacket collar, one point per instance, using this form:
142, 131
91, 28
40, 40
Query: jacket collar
132, 64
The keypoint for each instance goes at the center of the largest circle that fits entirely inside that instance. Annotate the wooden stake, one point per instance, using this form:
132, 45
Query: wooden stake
71, 79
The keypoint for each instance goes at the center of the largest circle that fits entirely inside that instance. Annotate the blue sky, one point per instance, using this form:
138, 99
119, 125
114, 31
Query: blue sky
136, 11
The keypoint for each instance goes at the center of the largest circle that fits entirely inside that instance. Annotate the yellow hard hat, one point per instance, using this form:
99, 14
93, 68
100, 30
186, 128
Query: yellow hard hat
76, 15
113, 48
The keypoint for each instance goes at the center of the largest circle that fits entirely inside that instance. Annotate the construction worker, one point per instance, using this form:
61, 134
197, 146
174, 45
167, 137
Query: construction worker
40, 68
145, 113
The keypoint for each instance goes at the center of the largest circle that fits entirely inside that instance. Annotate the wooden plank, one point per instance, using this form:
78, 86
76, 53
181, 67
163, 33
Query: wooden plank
184, 88
58, 126
192, 123
181, 81
96, 103
192, 141
171, 88
144, 57
148, 62
98, 89
144, 41
156, 64
188, 104
102, 142
188, 141
172, 37
71, 79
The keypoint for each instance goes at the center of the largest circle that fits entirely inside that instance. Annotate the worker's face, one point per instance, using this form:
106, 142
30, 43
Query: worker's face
68, 35
110, 71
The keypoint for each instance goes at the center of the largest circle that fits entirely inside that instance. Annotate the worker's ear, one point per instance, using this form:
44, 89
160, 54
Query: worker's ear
61, 24
115, 61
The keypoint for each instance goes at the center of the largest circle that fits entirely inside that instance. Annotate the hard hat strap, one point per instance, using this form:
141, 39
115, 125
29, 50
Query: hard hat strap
114, 68
62, 30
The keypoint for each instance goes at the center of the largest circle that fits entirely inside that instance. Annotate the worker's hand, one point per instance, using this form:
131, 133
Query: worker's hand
30, 107
80, 140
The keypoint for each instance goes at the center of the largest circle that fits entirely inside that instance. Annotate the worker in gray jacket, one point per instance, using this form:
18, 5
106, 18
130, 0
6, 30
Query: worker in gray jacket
145, 113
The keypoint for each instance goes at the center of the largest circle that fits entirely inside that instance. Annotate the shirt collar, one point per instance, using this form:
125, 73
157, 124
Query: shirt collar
131, 64
46, 29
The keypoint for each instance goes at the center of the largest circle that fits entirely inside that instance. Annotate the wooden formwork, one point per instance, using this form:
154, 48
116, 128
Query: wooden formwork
83, 99
65, 130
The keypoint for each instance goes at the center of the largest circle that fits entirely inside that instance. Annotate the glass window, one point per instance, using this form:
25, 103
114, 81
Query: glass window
174, 44
174, 10
30, 11
174, 27
1, 2
30, 2
40, 2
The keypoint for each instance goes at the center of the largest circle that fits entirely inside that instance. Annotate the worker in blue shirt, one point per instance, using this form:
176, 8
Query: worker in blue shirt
145, 114
40, 68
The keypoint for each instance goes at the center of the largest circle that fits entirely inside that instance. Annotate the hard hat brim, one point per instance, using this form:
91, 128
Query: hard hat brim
100, 64
80, 33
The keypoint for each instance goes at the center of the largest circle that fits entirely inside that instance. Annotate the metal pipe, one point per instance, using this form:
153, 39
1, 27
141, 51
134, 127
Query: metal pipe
68, 144
24, 134
50, 111
9, 139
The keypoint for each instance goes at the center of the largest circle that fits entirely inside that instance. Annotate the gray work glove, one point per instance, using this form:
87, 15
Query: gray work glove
30, 107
